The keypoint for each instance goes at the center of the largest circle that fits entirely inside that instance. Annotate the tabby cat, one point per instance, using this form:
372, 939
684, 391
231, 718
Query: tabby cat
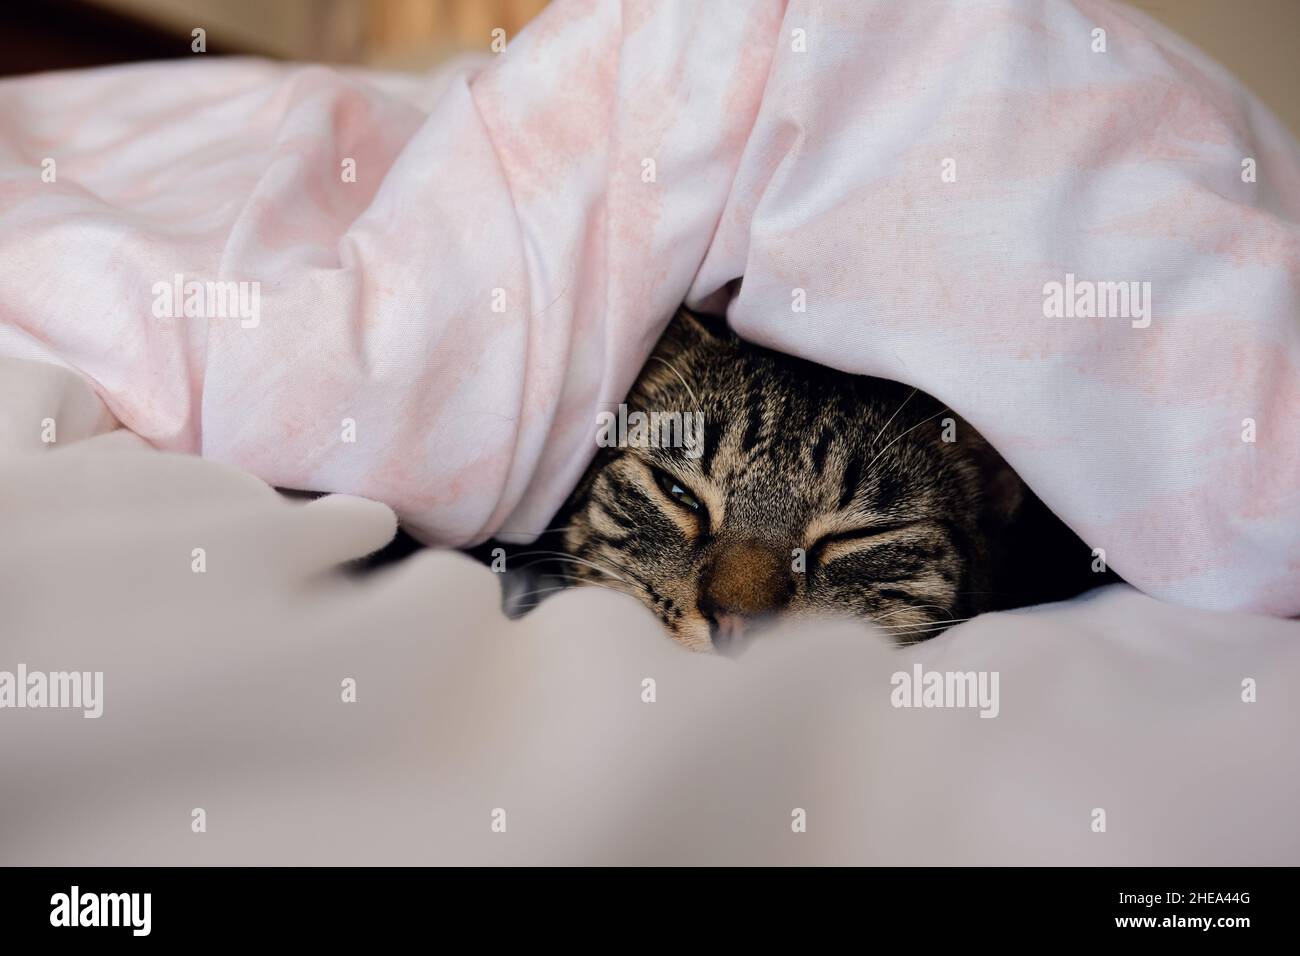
815, 492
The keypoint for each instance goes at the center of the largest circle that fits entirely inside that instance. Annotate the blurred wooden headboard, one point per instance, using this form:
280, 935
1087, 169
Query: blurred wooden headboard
397, 33
1259, 40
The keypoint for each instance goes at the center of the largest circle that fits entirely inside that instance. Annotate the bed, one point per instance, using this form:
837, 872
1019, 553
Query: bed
414, 294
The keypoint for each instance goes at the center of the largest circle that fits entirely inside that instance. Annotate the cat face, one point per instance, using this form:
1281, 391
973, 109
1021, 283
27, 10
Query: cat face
810, 492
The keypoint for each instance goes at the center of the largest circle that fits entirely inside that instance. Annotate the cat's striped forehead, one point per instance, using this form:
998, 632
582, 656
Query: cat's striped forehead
787, 439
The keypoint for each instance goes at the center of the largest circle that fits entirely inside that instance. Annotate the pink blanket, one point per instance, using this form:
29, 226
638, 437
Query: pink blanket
1053, 216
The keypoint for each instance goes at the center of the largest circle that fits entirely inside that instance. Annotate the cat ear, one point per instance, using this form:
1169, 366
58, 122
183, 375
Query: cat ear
1004, 492
523, 588
526, 581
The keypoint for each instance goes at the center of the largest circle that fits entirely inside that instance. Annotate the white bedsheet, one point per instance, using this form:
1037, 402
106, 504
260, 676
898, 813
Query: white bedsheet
222, 691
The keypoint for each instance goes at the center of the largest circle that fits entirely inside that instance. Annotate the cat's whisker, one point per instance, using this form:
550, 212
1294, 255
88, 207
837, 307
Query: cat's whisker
910, 630
949, 622
538, 534
938, 622
562, 575
528, 594
904, 610
910, 640
595, 567
572, 582
904, 434
672, 368
535, 561
613, 562
885, 426
606, 585
572, 558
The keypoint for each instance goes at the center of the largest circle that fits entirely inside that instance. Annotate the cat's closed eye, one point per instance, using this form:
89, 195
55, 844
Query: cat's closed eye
848, 541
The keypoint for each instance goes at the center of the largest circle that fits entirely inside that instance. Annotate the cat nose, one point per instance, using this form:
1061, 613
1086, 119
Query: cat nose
745, 581
728, 633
